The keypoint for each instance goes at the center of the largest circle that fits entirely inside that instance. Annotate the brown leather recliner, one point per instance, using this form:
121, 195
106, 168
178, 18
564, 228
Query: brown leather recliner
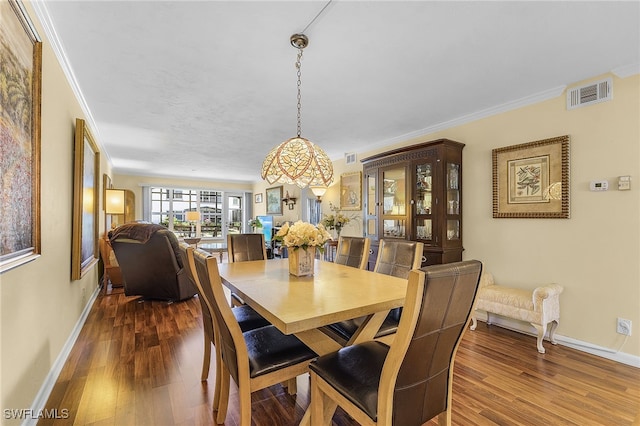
151, 263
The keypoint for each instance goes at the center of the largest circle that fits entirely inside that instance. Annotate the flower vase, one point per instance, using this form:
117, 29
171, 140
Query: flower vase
301, 261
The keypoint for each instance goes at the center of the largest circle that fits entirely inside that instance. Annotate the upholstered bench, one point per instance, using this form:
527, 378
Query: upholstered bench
538, 307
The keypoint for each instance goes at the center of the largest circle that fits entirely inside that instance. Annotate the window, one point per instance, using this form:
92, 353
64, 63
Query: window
169, 207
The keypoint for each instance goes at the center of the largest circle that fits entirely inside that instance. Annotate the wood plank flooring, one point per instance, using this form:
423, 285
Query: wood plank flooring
139, 363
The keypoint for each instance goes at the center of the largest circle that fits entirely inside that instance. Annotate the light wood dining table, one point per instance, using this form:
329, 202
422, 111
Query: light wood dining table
302, 305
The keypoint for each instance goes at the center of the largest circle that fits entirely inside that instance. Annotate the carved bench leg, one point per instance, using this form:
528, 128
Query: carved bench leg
474, 321
542, 330
552, 332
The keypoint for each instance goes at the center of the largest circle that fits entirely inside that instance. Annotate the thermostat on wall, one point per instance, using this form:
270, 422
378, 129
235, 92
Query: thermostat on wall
599, 185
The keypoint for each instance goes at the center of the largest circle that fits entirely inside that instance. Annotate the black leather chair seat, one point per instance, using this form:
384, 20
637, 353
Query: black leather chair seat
248, 319
359, 378
347, 328
270, 350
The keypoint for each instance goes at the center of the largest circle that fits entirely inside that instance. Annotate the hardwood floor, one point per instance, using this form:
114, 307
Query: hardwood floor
139, 363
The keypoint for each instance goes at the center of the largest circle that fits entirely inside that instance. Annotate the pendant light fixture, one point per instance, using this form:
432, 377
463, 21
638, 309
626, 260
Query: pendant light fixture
298, 160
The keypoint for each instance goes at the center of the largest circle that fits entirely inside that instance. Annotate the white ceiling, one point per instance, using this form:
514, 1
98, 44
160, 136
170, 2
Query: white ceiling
205, 89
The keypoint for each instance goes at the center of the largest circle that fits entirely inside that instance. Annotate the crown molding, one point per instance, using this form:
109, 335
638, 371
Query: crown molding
40, 8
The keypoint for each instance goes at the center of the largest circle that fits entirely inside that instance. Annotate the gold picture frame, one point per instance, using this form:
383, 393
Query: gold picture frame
86, 190
531, 180
351, 191
20, 121
274, 200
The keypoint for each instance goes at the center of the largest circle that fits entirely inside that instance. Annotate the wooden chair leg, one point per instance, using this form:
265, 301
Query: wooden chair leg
223, 399
321, 407
244, 394
206, 361
292, 386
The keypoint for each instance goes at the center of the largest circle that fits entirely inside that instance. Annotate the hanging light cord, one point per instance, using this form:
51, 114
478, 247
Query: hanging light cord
316, 17
299, 66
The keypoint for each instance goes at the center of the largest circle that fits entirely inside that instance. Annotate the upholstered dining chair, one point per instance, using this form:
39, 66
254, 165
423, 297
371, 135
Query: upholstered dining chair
255, 359
243, 248
409, 382
247, 318
396, 258
353, 251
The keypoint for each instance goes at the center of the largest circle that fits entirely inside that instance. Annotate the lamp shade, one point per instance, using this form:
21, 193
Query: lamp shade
193, 216
114, 201
298, 161
318, 191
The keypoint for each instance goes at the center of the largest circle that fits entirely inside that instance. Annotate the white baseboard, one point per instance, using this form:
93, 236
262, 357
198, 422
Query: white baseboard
526, 328
47, 386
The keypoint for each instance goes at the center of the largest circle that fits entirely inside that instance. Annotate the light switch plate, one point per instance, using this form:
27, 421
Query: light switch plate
624, 183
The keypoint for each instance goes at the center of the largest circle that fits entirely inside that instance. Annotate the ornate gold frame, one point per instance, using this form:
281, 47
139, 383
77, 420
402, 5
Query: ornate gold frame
20, 193
351, 191
86, 190
531, 180
271, 194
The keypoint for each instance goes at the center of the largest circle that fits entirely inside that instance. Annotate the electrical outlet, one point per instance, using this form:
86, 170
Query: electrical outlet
624, 326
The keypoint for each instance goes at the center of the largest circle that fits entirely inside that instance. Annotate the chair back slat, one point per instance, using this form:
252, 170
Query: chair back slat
353, 251
245, 247
398, 257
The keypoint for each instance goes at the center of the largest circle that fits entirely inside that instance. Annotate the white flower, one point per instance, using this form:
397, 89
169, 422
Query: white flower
303, 234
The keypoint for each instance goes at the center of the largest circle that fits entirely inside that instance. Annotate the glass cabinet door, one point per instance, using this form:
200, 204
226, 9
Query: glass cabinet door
371, 206
394, 202
453, 201
424, 200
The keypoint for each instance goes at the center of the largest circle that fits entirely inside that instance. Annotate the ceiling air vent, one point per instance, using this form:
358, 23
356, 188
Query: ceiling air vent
589, 94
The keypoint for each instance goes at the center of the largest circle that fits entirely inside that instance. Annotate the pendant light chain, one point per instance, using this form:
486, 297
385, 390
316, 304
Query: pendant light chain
299, 66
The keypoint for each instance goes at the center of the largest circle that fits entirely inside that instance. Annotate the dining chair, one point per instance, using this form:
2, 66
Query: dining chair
247, 318
396, 258
242, 248
255, 359
409, 382
353, 251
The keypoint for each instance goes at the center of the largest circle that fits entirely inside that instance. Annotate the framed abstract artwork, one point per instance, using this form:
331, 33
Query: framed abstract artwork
531, 180
86, 190
20, 94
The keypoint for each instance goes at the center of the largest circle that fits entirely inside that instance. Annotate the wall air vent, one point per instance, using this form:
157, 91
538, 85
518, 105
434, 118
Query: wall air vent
350, 158
589, 94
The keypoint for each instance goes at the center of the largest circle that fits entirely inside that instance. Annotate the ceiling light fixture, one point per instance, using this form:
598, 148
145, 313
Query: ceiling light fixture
298, 160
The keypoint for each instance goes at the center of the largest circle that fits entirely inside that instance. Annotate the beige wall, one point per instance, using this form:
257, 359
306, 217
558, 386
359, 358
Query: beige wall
40, 305
594, 255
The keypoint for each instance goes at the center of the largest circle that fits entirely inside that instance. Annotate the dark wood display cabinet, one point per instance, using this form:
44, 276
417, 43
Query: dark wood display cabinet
415, 193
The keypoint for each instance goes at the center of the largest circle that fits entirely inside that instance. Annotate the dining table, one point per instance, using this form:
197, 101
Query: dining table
303, 305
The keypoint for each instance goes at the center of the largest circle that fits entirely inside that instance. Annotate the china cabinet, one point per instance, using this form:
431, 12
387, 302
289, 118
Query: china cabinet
415, 193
